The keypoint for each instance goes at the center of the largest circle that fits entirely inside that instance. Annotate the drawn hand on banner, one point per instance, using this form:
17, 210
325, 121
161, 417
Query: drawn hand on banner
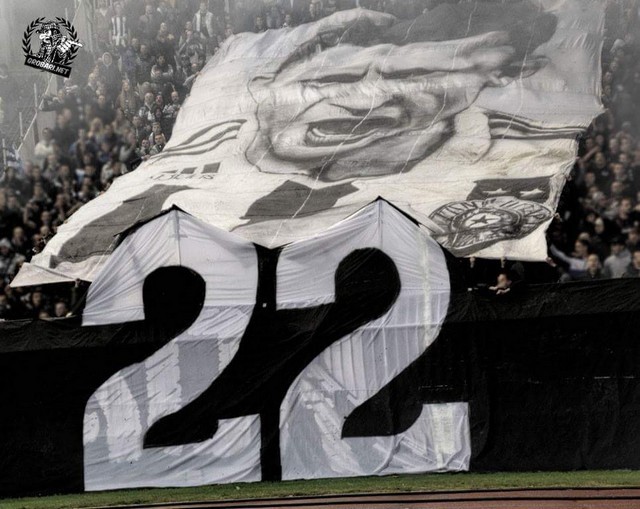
374, 99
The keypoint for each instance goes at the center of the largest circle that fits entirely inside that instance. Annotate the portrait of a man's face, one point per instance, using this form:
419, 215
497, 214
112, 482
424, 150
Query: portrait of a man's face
465, 117
373, 96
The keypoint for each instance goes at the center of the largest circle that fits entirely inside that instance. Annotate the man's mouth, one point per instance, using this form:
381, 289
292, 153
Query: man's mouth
348, 130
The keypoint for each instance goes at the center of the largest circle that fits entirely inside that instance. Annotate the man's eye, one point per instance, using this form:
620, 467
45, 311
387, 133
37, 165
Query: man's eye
402, 74
333, 79
330, 39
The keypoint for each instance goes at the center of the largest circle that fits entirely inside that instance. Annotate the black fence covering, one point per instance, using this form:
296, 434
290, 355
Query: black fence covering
551, 374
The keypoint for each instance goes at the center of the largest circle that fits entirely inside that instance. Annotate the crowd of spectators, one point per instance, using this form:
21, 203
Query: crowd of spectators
596, 233
119, 108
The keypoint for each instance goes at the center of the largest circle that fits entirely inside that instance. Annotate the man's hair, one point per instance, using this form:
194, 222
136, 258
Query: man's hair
526, 23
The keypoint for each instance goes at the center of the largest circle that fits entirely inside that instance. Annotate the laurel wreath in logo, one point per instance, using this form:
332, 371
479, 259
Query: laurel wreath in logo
26, 39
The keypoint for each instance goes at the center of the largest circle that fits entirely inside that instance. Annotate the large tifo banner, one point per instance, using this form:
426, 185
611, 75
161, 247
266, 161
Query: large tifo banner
465, 118
202, 358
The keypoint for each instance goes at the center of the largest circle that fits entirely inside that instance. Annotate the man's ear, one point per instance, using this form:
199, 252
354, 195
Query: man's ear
517, 70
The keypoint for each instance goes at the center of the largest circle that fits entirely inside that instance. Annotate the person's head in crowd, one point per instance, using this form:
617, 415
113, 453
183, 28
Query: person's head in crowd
635, 259
45, 217
593, 263
47, 135
137, 121
86, 192
589, 143
503, 283
12, 202
60, 309
258, 25
617, 245
585, 235
503, 280
67, 116
600, 161
95, 127
38, 192
36, 298
624, 159
164, 29
156, 128
599, 226
45, 231
9, 175
87, 160
101, 89
105, 149
157, 113
102, 101
120, 117
228, 31
27, 166
149, 99
5, 248
37, 242
18, 235
626, 206
600, 140
89, 172
614, 66
159, 139
330, 7
148, 9
616, 189
581, 248
188, 26
175, 97
589, 179
144, 50
107, 59
64, 171
144, 144
116, 168
60, 201
132, 141
619, 172
159, 100
52, 161
203, 7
